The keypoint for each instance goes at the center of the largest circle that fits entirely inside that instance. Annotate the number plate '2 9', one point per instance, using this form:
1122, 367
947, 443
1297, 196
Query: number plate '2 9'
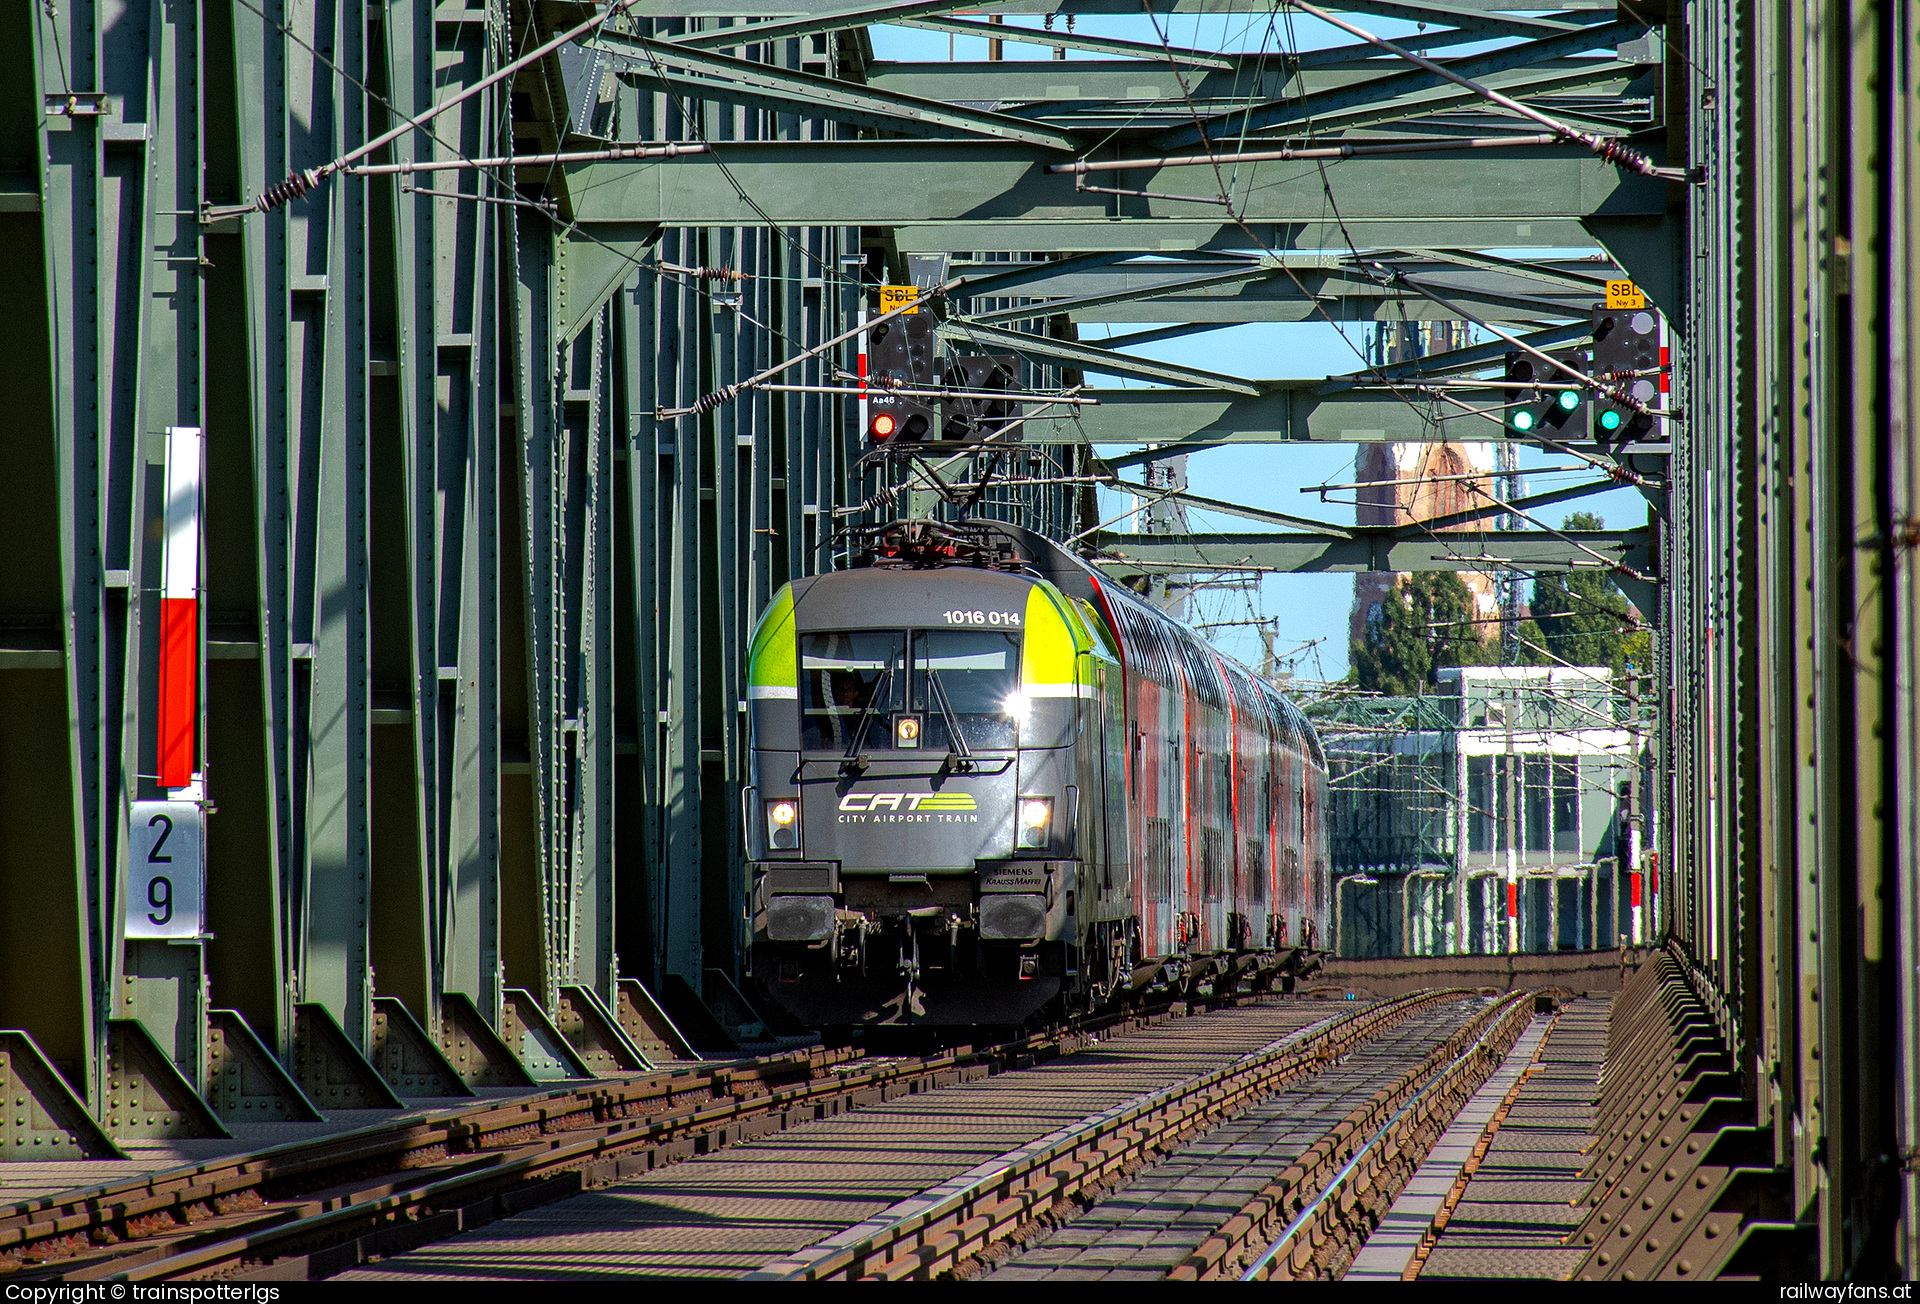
166, 875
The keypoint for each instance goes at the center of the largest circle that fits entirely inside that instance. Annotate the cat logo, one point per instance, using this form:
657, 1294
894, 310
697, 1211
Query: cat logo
908, 801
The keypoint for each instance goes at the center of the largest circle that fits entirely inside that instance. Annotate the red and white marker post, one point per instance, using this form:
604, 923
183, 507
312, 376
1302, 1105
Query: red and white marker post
1513, 914
861, 362
178, 715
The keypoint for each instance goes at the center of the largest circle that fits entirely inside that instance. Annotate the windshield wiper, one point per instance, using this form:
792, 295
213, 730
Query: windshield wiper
959, 755
853, 760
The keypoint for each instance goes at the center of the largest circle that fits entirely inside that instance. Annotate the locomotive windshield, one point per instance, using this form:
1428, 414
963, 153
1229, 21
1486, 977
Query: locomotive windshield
968, 677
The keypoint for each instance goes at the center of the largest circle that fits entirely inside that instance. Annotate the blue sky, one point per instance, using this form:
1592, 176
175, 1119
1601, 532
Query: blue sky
1310, 607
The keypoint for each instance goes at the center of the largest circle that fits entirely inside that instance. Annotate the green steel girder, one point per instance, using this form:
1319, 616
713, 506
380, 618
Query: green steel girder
995, 279
1136, 96
1279, 295
1219, 287
1583, 277
1088, 357
1300, 523
60, 911
1074, 41
989, 186
1474, 357
1378, 550
1088, 274
766, 86
1467, 18
1473, 515
1170, 234
785, 24
1182, 283
1534, 84
1283, 112
1412, 530
1289, 412
844, 16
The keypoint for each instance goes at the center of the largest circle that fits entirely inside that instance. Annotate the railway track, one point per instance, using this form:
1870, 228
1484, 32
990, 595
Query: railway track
314, 1207
377, 1197
943, 1230
1154, 1226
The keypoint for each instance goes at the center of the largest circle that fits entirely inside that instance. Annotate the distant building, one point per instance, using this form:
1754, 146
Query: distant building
1514, 774
1419, 482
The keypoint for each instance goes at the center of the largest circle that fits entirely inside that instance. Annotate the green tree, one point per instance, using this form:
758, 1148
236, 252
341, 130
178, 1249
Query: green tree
1582, 615
1425, 623
1532, 650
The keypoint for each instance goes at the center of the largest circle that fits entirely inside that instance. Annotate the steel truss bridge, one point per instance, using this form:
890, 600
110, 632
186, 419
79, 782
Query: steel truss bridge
485, 522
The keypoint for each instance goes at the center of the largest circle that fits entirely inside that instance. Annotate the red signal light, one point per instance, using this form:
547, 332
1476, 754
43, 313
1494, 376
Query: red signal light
883, 426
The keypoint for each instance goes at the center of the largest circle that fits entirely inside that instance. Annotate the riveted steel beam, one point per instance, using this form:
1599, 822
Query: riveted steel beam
950, 187
1376, 551
1283, 112
1073, 41
1139, 96
1089, 357
838, 14
768, 86
1287, 413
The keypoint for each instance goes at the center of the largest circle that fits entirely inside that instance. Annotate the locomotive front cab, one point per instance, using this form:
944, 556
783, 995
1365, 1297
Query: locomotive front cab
912, 806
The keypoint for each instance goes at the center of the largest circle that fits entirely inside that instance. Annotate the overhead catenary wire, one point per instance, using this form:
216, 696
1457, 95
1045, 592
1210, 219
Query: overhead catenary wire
727, 393
997, 395
1288, 154
545, 207
1602, 146
664, 149
1611, 394
301, 181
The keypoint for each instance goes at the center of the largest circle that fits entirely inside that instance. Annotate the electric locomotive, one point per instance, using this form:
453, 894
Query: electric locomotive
988, 783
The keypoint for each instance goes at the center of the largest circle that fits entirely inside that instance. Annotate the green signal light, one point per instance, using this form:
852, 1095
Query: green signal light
1568, 400
1610, 420
1523, 420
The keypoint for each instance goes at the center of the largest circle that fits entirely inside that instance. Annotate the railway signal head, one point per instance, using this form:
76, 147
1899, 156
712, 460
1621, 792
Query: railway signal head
972, 416
901, 358
1561, 412
1627, 360
1541, 398
1521, 396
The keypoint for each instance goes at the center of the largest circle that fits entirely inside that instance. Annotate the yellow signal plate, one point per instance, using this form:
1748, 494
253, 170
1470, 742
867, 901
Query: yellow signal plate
1625, 294
898, 296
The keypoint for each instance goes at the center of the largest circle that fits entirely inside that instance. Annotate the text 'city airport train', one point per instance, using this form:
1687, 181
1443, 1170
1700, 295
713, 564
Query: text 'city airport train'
988, 784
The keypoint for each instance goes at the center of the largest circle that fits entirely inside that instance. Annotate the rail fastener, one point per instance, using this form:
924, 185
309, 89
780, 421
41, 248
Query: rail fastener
940, 1229
449, 1172
1331, 1212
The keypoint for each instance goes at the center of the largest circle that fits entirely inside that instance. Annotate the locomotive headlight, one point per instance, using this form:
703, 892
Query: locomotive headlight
1035, 814
1018, 707
783, 818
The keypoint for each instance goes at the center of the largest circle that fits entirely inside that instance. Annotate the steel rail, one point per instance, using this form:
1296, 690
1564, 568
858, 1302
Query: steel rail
941, 1228
485, 1160
1500, 1024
